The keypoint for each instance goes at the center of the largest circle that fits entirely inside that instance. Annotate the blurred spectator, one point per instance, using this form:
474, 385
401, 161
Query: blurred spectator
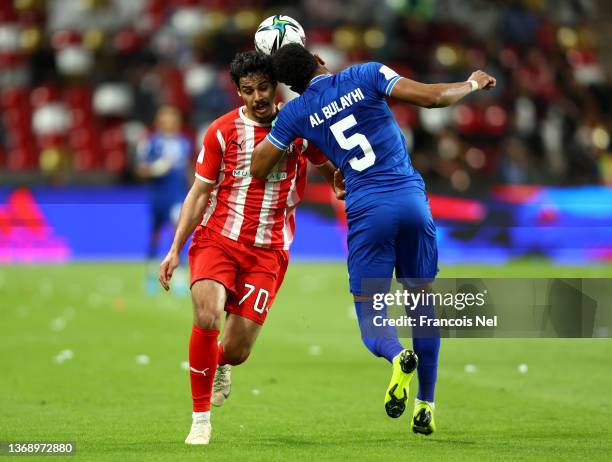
515, 165
164, 160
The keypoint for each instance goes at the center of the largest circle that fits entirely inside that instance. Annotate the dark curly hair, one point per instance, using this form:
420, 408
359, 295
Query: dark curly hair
295, 66
251, 62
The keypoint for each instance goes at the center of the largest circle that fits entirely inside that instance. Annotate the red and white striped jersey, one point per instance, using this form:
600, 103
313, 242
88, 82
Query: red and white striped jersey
255, 212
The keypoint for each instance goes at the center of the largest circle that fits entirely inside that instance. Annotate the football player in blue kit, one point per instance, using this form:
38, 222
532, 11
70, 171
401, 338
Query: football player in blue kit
390, 226
164, 160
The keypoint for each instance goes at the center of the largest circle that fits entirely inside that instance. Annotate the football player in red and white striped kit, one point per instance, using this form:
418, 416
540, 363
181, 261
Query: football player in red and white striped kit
239, 251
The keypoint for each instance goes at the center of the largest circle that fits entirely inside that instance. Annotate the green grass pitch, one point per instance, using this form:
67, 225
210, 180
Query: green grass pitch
310, 390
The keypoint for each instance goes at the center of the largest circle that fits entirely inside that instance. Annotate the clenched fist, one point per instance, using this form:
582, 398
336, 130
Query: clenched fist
484, 80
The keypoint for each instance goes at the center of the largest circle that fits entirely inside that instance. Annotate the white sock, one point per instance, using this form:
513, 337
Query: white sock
433, 406
200, 417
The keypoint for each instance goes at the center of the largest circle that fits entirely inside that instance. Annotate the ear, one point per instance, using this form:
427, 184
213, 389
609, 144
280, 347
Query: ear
319, 59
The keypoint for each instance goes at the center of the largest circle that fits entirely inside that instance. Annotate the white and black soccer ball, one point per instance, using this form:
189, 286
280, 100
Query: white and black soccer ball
276, 31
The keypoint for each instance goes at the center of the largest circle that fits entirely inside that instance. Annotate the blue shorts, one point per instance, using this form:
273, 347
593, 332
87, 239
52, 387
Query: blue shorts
391, 231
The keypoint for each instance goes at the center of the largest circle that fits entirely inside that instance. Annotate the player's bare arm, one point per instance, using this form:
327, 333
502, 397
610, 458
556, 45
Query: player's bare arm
265, 157
440, 94
191, 214
339, 184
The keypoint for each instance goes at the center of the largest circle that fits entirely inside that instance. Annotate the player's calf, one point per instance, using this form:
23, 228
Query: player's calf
233, 353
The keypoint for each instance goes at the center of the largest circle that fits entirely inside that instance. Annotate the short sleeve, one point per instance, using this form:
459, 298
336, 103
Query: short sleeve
210, 156
313, 154
284, 128
379, 77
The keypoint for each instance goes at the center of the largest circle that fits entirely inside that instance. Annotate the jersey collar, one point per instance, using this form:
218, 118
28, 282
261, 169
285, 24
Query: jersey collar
248, 121
318, 78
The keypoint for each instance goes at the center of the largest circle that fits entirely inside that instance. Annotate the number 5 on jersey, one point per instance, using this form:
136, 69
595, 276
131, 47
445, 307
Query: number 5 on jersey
356, 139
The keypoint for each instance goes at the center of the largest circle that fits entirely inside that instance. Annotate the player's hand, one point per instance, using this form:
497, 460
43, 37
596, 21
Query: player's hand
279, 106
166, 268
485, 81
339, 185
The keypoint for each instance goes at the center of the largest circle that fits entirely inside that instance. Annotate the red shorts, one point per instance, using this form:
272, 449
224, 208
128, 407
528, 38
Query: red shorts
252, 275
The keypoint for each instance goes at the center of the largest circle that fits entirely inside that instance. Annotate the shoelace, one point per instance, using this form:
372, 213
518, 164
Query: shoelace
221, 377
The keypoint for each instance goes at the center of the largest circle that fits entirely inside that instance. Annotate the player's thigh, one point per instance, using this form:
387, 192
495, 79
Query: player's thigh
417, 249
259, 279
209, 298
213, 273
371, 246
210, 293
212, 257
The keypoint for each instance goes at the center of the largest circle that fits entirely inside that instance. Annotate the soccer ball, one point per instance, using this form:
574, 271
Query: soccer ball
277, 31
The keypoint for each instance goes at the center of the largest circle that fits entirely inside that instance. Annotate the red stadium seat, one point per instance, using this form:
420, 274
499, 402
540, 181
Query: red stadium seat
114, 149
7, 12
405, 115
78, 97
82, 118
52, 140
19, 137
496, 120
11, 59
20, 154
80, 138
22, 159
127, 41
86, 159
65, 37
115, 161
14, 98
44, 94
17, 118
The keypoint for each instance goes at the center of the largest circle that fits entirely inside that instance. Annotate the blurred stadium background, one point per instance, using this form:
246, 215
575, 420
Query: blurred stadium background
523, 170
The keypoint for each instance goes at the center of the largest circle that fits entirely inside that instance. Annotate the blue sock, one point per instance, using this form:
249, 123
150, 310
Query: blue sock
427, 350
426, 344
381, 341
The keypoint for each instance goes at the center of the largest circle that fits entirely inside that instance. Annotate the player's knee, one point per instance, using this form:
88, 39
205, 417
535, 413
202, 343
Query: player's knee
208, 303
206, 316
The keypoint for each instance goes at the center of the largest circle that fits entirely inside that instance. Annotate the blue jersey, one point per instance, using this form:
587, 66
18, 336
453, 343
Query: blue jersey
171, 187
347, 117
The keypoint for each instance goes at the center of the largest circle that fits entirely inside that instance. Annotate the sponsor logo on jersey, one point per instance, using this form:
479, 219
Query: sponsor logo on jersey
274, 176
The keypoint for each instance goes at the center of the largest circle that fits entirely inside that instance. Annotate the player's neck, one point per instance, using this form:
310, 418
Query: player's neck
321, 70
